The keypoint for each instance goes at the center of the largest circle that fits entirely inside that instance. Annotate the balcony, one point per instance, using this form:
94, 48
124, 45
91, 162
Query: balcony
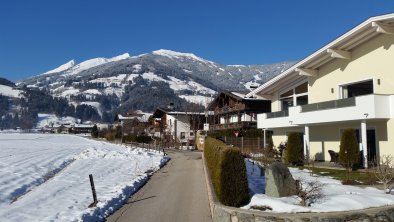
283, 113
227, 109
233, 125
357, 108
333, 104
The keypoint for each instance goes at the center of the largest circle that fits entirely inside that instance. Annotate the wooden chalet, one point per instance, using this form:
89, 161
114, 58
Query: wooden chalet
233, 110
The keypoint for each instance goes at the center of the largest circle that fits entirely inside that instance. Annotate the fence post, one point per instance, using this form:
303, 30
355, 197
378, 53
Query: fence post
93, 191
242, 144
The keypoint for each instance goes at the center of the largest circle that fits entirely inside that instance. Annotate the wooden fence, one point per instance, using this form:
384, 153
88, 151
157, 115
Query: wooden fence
247, 145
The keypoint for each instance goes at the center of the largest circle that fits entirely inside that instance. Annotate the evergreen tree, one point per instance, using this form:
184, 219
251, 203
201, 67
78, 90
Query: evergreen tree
348, 150
294, 153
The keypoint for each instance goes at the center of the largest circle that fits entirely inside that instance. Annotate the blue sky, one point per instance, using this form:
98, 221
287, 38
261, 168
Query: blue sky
36, 36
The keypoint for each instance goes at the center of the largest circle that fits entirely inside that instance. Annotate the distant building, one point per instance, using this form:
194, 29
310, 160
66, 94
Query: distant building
133, 122
234, 110
177, 126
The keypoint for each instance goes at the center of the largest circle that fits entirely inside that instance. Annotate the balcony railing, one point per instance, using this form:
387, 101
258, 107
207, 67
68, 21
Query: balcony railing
233, 125
227, 109
283, 113
329, 105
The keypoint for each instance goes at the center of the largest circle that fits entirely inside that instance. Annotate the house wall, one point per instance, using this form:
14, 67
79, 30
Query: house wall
372, 60
182, 125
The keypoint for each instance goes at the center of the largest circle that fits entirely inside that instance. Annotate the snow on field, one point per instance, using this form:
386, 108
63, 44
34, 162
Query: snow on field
110, 80
45, 120
92, 91
9, 91
337, 197
203, 100
70, 91
177, 84
44, 177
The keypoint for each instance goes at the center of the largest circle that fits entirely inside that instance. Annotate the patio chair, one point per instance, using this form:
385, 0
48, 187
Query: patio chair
334, 156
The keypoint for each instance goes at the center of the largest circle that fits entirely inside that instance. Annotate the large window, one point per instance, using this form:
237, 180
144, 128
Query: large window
357, 89
294, 97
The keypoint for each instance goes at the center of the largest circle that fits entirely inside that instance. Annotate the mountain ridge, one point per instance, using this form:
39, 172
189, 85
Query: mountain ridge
149, 80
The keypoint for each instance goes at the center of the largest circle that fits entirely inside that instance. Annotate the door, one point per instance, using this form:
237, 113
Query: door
371, 145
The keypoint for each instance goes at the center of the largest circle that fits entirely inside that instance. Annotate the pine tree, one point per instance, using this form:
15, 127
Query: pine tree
348, 150
294, 153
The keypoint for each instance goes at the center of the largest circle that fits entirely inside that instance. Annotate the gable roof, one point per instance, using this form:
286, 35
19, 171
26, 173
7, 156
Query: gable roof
239, 96
339, 48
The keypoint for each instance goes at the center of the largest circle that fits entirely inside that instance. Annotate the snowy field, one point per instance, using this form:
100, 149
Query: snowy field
337, 197
45, 177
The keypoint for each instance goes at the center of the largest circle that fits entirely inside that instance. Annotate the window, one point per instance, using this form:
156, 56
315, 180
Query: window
295, 97
191, 133
183, 136
357, 89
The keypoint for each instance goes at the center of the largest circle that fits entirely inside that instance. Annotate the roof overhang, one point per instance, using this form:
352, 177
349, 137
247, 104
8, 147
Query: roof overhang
340, 48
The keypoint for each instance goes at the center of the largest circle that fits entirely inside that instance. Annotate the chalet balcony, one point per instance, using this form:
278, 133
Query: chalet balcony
238, 125
227, 109
371, 106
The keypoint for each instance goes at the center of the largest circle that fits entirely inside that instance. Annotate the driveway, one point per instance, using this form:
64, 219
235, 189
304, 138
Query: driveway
177, 192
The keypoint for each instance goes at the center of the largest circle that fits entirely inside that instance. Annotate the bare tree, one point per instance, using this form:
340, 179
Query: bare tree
384, 170
309, 191
267, 156
310, 162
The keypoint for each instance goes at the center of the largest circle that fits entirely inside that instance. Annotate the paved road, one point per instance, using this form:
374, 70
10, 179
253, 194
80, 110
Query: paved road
176, 193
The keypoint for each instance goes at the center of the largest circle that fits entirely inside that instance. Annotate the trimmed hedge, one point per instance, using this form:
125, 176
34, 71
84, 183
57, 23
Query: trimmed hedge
294, 152
228, 173
348, 149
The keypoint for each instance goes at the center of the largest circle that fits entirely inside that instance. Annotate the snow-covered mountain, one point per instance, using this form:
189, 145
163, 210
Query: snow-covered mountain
148, 80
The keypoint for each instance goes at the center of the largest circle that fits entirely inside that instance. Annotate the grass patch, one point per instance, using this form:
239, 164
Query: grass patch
356, 177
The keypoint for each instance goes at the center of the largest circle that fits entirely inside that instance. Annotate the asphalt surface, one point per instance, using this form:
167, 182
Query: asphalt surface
175, 193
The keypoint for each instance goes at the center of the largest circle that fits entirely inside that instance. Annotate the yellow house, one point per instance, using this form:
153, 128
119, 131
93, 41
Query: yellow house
349, 83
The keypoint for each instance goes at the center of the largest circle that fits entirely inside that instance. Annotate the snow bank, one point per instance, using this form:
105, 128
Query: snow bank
337, 197
45, 177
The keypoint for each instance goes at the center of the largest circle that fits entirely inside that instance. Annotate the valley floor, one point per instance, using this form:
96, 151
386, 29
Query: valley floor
45, 177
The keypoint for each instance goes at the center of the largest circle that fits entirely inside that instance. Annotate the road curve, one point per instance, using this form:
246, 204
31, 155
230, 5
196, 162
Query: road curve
175, 193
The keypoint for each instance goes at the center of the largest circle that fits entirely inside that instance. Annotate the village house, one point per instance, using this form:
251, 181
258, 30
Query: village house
233, 110
348, 83
134, 122
178, 127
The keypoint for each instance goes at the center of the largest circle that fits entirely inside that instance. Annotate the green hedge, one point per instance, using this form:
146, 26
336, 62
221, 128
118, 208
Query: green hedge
294, 152
228, 173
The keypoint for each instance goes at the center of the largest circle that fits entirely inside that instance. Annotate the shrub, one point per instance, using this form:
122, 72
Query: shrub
95, 131
110, 135
228, 173
348, 150
294, 152
143, 139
